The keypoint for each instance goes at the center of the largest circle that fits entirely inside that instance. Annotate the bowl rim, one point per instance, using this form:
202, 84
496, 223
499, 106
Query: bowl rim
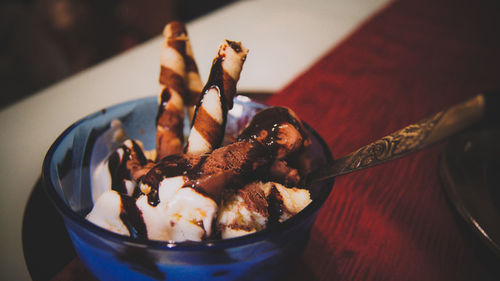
68, 214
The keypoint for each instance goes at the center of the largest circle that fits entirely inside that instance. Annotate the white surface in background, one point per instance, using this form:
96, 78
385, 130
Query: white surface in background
284, 38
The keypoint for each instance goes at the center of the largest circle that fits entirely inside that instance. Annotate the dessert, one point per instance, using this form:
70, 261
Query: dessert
202, 189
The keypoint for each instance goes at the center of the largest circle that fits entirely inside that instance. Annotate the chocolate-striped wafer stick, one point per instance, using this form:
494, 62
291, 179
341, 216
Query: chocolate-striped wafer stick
217, 98
170, 118
226, 69
194, 83
190, 84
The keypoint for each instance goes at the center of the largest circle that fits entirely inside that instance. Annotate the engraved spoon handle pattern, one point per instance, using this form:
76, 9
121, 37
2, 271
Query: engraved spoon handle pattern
409, 139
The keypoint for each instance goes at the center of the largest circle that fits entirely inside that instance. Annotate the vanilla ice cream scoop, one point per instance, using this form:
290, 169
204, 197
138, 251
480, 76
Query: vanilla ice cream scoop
258, 204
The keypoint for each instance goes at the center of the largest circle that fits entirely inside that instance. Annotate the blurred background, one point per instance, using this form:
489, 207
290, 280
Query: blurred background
44, 41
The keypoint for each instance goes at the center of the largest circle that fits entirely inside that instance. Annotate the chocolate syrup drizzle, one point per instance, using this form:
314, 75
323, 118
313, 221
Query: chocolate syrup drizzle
167, 119
269, 120
216, 79
118, 166
170, 166
164, 98
276, 206
191, 167
234, 45
132, 218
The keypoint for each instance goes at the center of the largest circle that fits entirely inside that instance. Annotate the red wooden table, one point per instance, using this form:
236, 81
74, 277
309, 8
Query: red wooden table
392, 222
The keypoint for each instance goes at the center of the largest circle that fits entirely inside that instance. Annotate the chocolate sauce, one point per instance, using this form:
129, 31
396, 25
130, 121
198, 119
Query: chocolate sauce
234, 45
223, 81
132, 218
137, 153
276, 206
169, 119
119, 167
164, 98
235, 165
118, 172
170, 166
265, 124
209, 185
280, 171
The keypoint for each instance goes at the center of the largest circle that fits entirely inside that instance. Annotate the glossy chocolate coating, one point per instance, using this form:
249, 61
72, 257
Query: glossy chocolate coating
132, 218
120, 168
265, 128
170, 166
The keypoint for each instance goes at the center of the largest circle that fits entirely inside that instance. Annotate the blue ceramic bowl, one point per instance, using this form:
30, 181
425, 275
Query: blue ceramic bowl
265, 255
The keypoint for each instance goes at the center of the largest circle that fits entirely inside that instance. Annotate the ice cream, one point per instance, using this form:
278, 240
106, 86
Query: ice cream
202, 190
258, 204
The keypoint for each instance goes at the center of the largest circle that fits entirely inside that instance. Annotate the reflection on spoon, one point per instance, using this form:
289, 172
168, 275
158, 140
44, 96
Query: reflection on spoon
413, 137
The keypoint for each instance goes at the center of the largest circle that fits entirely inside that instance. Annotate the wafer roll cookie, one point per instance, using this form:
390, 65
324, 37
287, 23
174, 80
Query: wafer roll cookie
194, 83
181, 61
169, 128
172, 63
208, 127
170, 118
211, 112
231, 55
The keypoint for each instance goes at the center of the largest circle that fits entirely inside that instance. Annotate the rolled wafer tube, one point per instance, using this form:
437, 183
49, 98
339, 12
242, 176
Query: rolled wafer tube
170, 118
192, 80
194, 83
209, 120
208, 124
226, 69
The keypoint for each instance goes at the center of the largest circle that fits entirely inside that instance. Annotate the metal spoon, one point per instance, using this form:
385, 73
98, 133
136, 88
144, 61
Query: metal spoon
413, 137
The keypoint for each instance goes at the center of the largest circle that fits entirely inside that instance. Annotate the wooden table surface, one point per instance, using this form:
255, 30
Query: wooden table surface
392, 222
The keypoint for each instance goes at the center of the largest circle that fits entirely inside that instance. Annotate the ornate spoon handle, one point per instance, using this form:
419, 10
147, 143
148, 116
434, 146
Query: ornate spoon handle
411, 138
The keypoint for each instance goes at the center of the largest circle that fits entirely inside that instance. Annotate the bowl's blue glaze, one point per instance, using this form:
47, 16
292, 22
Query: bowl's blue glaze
109, 256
